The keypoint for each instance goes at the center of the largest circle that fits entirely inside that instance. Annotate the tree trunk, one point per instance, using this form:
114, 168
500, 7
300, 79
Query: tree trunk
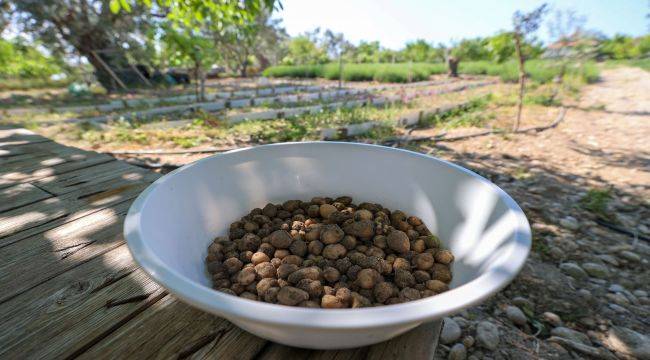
94, 42
197, 92
452, 63
522, 80
202, 86
264, 61
244, 69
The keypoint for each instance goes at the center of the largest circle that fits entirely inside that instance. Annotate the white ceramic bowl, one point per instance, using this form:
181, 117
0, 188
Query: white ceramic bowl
171, 224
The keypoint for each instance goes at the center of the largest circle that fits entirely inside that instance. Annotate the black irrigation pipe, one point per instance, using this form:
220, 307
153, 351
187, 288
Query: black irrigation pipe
621, 230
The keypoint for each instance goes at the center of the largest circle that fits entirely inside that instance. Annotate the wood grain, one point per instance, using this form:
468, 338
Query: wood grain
32, 261
417, 344
31, 170
172, 329
20, 195
67, 313
16, 136
32, 219
69, 182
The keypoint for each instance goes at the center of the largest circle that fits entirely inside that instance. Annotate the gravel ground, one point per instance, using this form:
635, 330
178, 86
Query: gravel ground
583, 293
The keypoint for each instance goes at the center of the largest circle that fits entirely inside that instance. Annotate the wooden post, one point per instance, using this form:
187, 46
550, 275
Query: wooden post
140, 75
109, 70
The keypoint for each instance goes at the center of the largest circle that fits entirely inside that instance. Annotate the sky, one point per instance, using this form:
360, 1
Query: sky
395, 22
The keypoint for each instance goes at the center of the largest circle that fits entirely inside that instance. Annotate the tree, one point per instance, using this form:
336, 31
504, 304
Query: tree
418, 51
335, 44
524, 25
184, 46
367, 52
88, 27
20, 59
501, 47
472, 49
83, 26
259, 38
390, 56
620, 47
303, 50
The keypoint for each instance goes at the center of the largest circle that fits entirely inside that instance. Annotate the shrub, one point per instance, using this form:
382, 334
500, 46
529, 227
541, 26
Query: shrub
540, 71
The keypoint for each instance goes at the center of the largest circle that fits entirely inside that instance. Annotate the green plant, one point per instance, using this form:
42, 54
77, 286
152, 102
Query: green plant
469, 114
596, 201
403, 72
187, 141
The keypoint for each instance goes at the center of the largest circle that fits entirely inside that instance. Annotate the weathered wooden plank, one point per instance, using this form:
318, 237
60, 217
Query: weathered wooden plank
13, 162
19, 195
235, 344
31, 170
68, 313
417, 344
70, 181
28, 220
15, 158
46, 147
277, 351
19, 136
172, 329
32, 261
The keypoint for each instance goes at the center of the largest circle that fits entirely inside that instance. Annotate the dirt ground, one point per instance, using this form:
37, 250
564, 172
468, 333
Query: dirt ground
593, 280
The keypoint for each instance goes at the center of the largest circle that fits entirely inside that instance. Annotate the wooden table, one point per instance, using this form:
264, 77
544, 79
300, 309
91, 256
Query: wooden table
68, 285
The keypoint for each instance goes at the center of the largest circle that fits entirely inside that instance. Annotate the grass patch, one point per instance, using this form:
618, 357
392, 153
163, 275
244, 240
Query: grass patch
595, 201
470, 115
307, 127
27, 84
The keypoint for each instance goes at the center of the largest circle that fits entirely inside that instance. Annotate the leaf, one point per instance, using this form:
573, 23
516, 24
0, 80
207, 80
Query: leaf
125, 5
114, 5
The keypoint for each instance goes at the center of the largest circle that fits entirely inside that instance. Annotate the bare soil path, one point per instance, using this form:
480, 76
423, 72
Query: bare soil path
584, 291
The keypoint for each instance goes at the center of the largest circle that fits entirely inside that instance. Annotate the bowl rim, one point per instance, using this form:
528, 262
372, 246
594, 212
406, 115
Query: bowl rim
236, 308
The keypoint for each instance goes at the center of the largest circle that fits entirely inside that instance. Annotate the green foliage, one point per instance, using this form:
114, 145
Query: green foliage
192, 13
395, 74
183, 47
472, 114
307, 127
302, 51
625, 47
366, 52
501, 47
420, 51
26, 84
472, 49
20, 60
540, 71
596, 201
360, 72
